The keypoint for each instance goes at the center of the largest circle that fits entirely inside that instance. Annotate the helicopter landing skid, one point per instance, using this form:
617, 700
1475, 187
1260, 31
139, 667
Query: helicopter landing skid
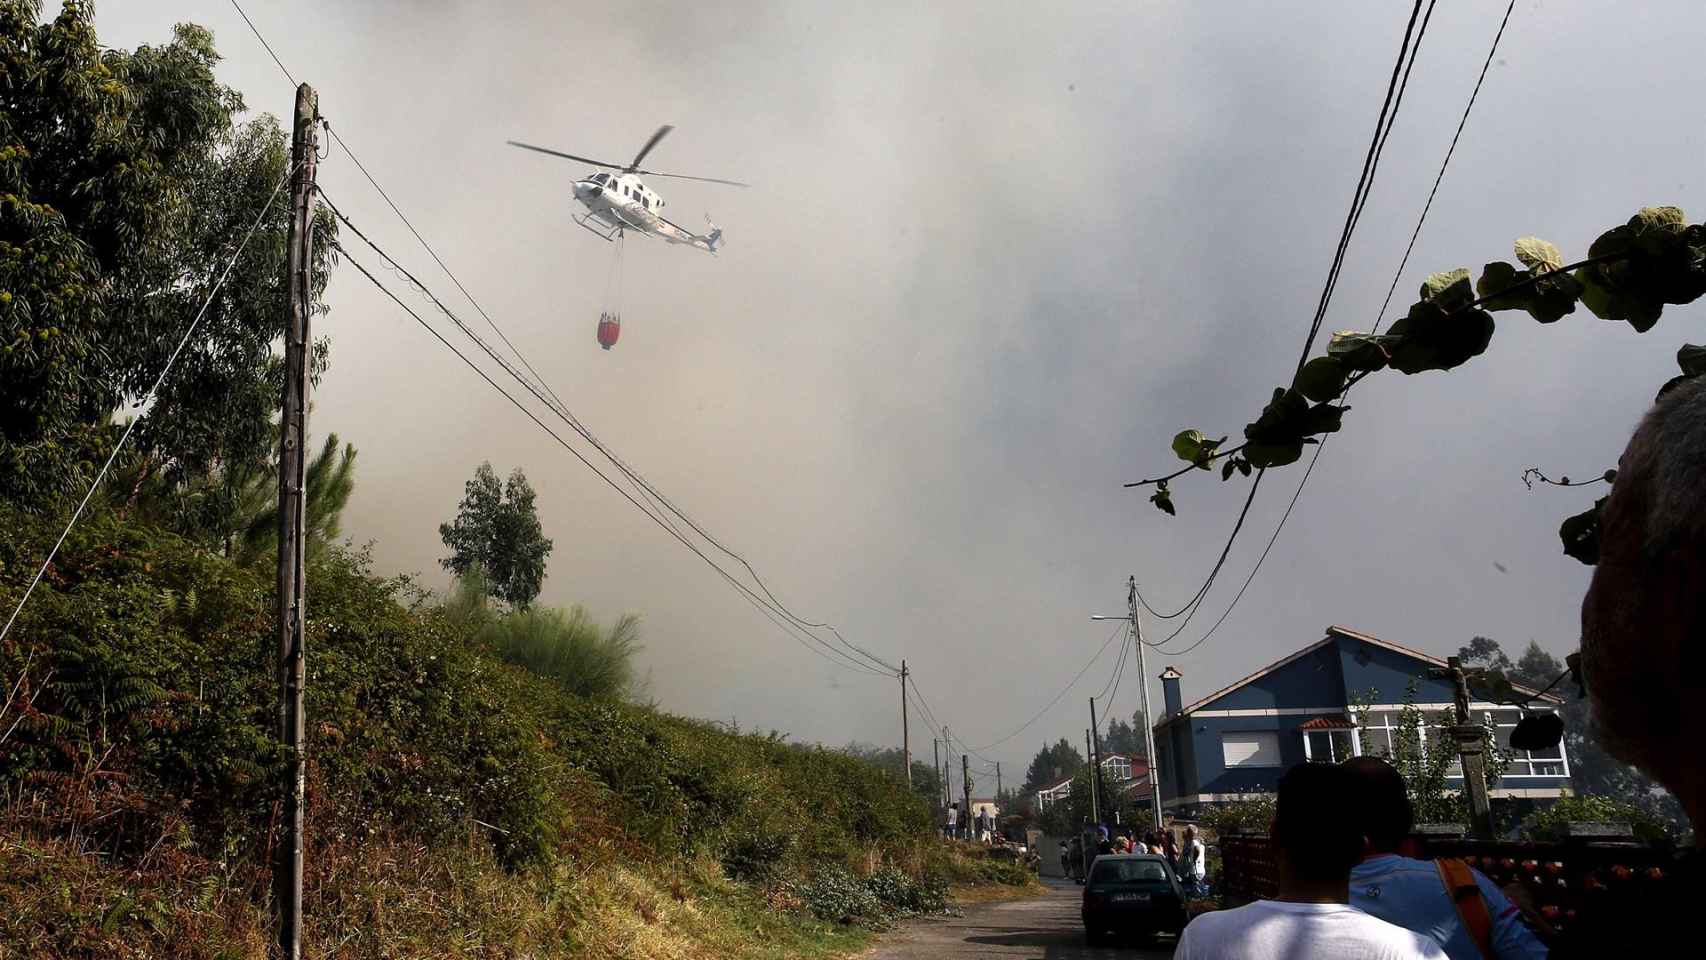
607, 235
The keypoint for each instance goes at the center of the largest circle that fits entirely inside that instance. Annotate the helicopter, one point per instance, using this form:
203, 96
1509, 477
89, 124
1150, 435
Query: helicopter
619, 202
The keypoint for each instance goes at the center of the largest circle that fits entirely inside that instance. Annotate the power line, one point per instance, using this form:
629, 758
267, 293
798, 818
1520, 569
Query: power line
1382, 129
649, 491
1113, 685
146, 398
561, 413
843, 661
1118, 631
1492, 51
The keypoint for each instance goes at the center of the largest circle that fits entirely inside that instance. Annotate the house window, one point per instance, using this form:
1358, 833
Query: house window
1250, 748
1330, 746
1385, 729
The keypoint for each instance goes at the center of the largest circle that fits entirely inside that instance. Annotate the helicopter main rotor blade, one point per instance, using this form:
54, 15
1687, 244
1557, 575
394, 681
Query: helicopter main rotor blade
683, 176
565, 156
663, 131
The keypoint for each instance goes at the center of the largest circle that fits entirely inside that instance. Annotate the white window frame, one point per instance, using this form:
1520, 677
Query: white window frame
1332, 752
1523, 761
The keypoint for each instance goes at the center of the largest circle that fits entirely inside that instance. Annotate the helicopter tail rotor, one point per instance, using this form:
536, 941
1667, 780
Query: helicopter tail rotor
713, 236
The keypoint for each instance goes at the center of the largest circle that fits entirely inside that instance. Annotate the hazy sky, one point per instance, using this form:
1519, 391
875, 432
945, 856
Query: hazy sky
994, 257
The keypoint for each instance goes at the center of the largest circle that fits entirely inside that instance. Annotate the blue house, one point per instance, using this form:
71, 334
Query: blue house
1238, 740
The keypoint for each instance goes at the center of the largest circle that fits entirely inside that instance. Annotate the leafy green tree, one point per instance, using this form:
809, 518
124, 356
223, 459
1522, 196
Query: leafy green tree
1426, 758
330, 478
497, 530
926, 783
1484, 653
1052, 764
1593, 771
1126, 738
124, 189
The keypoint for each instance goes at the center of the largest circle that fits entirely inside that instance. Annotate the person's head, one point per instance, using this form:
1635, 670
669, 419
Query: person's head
1190, 833
1379, 803
1644, 615
1318, 839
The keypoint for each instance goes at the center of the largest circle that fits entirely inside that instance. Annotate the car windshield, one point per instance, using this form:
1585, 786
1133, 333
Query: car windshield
1128, 871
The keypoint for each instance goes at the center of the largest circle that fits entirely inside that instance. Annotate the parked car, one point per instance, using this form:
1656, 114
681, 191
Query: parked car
1132, 894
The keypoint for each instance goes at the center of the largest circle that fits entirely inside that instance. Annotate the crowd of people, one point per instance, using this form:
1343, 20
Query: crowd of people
1187, 857
979, 825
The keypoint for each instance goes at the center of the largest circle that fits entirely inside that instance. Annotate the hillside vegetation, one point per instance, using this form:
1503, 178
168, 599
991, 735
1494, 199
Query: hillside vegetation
460, 804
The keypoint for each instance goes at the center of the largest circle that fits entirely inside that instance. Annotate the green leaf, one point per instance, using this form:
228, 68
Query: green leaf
1692, 359
1244, 466
1539, 255
1499, 276
1281, 420
1580, 534
1360, 351
1193, 446
1187, 444
1450, 289
1163, 500
1554, 297
1322, 378
1266, 455
1227, 467
1432, 338
1323, 418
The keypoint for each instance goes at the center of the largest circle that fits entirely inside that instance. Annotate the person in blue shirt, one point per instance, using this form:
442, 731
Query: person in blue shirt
1412, 893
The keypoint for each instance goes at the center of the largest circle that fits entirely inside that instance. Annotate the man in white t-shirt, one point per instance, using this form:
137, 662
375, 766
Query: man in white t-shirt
1316, 844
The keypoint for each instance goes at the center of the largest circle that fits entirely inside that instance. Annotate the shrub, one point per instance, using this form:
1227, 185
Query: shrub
835, 895
1549, 823
904, 895
571, 648
1252, 814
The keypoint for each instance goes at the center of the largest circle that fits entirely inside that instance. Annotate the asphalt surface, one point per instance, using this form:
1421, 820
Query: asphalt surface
1043, 928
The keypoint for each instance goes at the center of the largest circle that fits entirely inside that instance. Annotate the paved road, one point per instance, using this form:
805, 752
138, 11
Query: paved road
1046, 928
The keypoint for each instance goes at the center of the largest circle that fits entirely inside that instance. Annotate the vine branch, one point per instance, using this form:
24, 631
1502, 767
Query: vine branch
1185, 469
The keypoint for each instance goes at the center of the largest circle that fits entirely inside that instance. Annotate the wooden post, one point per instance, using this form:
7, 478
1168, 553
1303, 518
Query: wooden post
965, 790
291, 606
905, 734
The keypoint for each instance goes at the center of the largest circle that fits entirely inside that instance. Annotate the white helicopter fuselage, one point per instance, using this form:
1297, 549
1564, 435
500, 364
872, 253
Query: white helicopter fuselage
621, 202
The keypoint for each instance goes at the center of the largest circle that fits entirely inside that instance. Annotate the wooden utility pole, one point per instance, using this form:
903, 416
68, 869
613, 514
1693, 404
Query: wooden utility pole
1143, 699
1095, 810
997, 782
1471, 740
905, 733
947, 768
936, 763
1101, 784
292, 610
965, 790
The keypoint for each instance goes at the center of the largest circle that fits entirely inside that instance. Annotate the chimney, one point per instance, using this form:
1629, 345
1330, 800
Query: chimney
1170, 698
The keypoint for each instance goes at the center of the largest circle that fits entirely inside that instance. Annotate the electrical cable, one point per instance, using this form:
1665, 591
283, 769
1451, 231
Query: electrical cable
1402, 263
1063, 690
562, 414
146, 398
1382, 128
847, 663
562, 408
